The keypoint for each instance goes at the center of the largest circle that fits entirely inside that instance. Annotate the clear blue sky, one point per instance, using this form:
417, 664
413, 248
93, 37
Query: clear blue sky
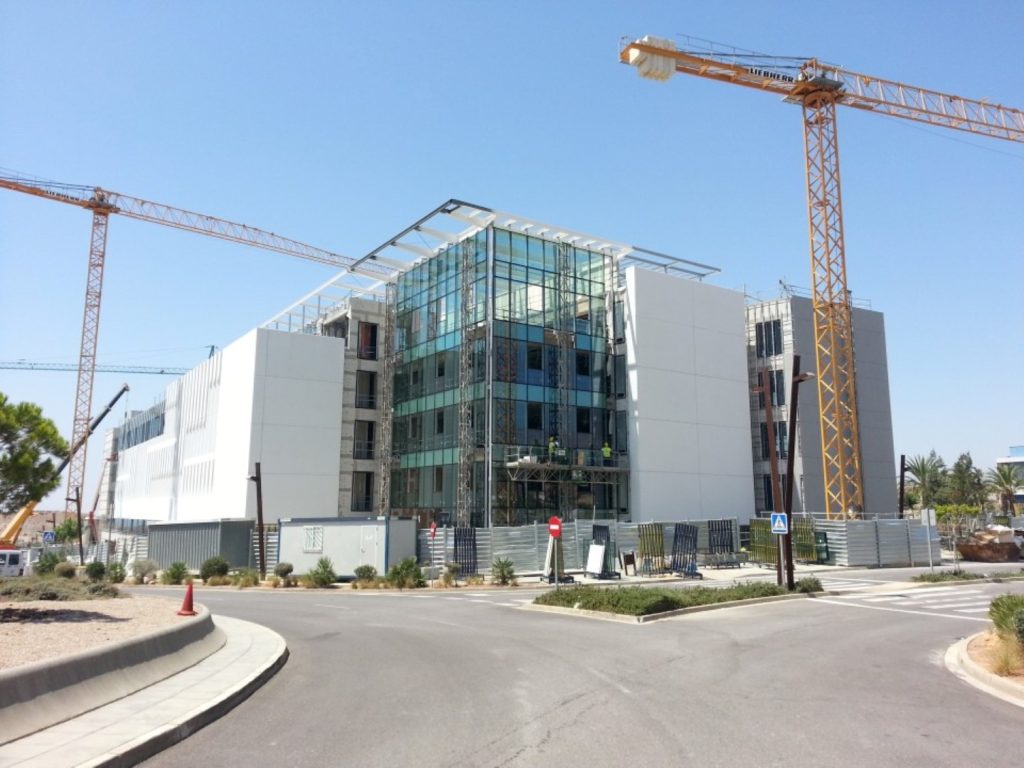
338, 124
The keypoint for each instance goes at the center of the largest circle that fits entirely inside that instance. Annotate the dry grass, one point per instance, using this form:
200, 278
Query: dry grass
1000, 654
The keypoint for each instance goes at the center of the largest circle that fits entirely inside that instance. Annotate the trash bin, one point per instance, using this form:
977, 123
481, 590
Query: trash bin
821, 552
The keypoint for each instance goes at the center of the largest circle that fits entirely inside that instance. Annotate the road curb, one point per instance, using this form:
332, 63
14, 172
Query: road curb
170, 734
638, 620
44, 693
959, 662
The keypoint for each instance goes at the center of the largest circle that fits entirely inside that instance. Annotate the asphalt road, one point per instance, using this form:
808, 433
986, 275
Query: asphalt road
468, 679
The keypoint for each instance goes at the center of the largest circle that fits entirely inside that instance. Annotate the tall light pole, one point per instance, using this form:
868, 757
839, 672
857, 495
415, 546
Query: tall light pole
258, 479
790, 457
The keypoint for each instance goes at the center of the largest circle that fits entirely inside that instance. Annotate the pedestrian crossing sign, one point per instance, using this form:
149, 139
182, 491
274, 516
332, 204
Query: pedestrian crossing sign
780, 523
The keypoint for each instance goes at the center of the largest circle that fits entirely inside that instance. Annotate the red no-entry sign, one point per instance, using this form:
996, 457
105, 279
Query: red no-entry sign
555, 528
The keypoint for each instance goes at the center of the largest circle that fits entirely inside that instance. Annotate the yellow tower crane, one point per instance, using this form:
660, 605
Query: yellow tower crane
818, 88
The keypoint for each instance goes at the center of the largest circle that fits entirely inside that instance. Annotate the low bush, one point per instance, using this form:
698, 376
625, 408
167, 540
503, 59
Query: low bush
47, 562
450, 576
365, 573
115, 573
809, 584
27, 588
475, 579
1018, 626
274, 581
322, 575
213, 566
640, 601
246, 577
143, 568
503, 572
219, 581
96, 570
375, 583
65, 570
955, 575
406, 575
175, 573
1003, 611
283, 570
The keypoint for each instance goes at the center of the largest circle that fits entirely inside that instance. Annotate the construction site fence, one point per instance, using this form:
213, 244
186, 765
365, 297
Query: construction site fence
871, 543
526, 545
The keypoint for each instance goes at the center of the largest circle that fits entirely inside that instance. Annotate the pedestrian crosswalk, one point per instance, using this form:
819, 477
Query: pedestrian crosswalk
953, 600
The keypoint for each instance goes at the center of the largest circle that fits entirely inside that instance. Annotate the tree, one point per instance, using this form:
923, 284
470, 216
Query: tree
928, 473
29, 446
67, 530
1004, 481
965, 482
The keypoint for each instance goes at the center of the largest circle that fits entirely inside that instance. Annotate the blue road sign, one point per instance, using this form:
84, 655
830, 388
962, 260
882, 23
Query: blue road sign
49, 537
780, 523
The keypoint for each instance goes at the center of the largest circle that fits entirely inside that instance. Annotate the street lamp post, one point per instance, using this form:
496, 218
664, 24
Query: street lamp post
790, 458
258, 479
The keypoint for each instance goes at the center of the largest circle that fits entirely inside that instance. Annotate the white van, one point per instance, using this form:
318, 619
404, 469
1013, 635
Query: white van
12, 562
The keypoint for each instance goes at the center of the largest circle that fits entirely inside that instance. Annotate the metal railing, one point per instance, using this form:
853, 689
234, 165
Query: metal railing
366, 400
362, 503
362, 449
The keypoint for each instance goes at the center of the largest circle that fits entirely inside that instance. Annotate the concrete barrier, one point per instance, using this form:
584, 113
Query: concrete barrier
38, 695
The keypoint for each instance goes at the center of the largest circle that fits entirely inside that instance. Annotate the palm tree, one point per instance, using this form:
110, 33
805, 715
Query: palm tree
1004, 481
928, 473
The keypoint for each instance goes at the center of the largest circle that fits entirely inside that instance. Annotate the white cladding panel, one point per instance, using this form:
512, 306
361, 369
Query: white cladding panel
271, 397
688, 399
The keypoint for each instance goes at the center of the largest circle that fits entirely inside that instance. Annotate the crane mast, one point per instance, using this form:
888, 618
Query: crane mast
102, 203
818, 88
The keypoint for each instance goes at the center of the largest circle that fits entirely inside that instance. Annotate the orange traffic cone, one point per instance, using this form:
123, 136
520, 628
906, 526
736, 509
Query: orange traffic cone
186, 605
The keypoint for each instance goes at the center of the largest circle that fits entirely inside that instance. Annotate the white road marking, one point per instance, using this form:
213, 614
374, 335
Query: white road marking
884, 599
972, 610
848, 604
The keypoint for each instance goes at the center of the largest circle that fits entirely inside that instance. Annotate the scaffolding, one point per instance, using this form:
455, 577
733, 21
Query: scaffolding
467, 441
387, 413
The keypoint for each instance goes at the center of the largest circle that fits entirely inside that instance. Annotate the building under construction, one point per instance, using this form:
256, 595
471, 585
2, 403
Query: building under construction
508, 371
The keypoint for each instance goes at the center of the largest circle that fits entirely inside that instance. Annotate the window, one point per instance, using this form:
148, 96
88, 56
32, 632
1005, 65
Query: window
583, 420
777, 384
362, 440
768, 338
367, 348
582, 363
534, 416
313, 538
415, 427
439, 422
781, 443
366, 389
534, 357
438, 479
362, 491
440, 366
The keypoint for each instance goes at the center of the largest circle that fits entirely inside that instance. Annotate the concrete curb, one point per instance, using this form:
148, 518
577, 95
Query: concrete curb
637, 620
959, 662
48, 692
170, 734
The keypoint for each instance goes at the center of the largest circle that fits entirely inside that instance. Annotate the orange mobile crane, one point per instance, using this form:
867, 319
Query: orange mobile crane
103, 203
818, 88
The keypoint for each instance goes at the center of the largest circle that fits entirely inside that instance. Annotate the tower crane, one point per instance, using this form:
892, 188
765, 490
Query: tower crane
25, 365
819, 88
102, 203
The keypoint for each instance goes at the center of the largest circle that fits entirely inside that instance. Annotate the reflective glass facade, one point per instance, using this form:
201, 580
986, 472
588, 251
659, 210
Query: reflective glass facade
542, 378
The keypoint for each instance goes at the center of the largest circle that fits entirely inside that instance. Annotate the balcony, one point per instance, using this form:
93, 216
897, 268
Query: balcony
366, 400
362, 449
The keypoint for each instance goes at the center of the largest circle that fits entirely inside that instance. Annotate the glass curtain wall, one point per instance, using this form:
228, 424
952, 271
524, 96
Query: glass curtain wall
552, 377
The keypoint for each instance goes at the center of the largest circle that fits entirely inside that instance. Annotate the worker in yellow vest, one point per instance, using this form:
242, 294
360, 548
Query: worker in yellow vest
606, 453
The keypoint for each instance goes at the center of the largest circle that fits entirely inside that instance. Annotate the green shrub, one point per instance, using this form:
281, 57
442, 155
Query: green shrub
475, 579
1018, 626
65, 570
1002, 611
641, 601
809, 584
219, 581
96, 570
99, 589
503, 572
283, 570
47, 562
115, 573
321, 576
213, 566
365, 573
175, 573
406, 575
143, 568
245, 577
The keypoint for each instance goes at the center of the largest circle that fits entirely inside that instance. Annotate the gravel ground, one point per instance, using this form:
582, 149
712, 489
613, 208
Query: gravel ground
46, 629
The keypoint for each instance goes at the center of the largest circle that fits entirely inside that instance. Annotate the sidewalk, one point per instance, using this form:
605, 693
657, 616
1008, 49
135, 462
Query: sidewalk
138, 726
